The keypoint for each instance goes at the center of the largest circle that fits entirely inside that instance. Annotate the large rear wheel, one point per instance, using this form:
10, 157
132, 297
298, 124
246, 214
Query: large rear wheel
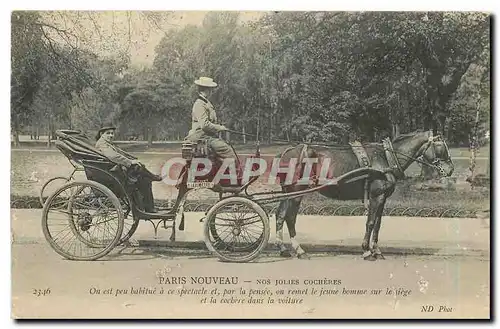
83, 220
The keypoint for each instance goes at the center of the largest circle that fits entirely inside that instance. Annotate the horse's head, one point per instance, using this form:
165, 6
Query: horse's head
435, 153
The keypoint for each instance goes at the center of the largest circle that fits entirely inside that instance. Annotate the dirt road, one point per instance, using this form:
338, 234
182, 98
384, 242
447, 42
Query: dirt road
129, 285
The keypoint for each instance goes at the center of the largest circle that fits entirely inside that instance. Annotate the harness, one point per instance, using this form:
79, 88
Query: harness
363, 160
392, 159
394, 162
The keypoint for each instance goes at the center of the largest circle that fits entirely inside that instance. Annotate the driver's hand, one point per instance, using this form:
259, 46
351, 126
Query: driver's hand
135, 162
223, 128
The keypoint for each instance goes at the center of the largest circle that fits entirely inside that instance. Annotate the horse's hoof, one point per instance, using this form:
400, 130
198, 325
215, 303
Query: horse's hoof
285, 253
379, 256
303, 256
370, 258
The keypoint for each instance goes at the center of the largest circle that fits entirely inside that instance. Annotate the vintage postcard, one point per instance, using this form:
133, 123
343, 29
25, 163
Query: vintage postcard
244, 165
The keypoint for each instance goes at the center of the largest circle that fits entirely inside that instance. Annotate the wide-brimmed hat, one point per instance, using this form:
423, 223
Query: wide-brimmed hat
205, 82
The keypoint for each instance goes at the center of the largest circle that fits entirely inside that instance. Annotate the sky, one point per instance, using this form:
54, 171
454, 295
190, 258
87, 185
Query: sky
111, 31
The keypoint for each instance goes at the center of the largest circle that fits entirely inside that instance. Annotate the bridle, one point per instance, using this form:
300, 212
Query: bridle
436, 162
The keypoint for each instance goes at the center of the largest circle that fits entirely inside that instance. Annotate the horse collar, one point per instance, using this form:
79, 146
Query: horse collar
392, 159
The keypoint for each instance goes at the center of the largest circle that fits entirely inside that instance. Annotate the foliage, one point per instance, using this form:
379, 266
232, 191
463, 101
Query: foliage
309, 76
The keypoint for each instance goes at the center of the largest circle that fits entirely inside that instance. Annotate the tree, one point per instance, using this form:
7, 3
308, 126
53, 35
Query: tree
26, 59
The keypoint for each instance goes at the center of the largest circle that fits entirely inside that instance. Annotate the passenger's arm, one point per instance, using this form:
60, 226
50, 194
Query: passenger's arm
114, 156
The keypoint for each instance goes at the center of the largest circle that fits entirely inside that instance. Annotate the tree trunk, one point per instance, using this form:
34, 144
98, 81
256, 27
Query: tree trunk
15, 132
395, 130
258, 124
150, 137
244, 136
271, 129
49, 134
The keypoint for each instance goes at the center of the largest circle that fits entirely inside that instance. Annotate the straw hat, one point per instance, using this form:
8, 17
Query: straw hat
205, 82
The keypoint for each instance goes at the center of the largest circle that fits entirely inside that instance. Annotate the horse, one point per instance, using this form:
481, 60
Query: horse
390, 158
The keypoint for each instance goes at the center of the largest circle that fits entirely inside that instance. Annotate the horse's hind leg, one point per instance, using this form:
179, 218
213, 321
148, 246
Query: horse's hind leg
291, 220
281, 215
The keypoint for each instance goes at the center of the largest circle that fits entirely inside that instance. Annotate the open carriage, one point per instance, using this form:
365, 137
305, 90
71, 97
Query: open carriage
86, 219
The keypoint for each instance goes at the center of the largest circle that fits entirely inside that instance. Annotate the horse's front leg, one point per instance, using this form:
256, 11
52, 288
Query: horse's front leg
376, 203
370, 222
378, 221
389, 187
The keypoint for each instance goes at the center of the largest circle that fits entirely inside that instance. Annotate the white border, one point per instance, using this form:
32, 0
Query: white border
366, 5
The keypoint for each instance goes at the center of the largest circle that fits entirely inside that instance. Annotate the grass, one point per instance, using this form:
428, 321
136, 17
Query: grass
250, 147
30, 170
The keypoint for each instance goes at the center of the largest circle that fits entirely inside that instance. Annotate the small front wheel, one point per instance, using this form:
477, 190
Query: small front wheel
130, 222
51, 186
236, 229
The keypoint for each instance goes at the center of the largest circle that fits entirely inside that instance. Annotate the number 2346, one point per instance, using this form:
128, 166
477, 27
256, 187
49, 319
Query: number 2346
41, 292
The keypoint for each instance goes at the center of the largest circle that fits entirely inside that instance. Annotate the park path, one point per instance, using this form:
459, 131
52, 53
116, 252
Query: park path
342, 234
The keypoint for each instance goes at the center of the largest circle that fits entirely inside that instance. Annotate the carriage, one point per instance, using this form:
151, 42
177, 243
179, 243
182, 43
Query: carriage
86, 219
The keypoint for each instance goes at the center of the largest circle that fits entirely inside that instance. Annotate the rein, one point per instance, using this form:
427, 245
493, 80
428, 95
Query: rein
418, 158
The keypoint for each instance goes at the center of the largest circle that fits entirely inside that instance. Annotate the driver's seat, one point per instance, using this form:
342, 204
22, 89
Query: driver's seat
201, 149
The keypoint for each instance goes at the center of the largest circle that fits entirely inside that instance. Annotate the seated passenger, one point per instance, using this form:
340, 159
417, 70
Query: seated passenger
104, 144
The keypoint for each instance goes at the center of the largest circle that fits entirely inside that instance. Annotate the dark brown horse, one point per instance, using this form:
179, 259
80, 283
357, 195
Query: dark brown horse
390, 158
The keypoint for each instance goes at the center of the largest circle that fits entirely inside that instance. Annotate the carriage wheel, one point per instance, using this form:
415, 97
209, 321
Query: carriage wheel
130, 222
228, 247
236, 229
82, 220
54, 183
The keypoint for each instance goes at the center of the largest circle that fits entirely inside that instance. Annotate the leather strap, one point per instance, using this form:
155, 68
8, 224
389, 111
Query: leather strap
363, 160
392, 160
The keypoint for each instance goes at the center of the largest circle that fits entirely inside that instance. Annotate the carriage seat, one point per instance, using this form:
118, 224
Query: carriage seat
75, 145
77, 149
199, 149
